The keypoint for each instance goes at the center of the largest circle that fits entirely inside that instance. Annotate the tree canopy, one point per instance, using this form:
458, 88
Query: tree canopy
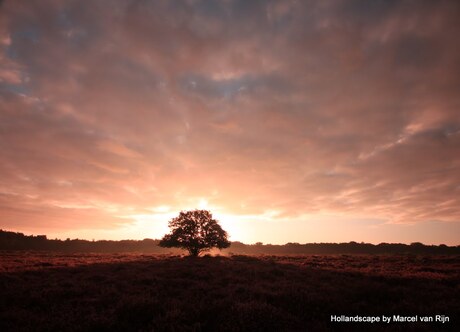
195, 231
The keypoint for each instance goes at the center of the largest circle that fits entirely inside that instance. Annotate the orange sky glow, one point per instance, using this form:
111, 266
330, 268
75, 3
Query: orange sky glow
291, 121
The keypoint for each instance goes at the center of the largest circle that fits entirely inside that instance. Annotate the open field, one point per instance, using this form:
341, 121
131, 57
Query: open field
119, 292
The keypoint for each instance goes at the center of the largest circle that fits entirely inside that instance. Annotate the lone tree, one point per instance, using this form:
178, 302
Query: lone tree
195, 231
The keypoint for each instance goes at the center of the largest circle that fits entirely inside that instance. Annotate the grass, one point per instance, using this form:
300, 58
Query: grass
134, 292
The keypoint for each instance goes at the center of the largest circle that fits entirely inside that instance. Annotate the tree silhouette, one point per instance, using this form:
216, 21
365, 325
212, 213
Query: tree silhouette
195, 231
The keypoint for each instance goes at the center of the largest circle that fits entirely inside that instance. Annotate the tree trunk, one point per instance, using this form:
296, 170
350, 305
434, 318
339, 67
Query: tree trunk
194, 252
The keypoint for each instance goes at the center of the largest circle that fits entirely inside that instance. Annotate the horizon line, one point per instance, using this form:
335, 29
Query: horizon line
250, 244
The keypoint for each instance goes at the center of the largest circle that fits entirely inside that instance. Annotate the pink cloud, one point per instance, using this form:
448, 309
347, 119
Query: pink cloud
339, 107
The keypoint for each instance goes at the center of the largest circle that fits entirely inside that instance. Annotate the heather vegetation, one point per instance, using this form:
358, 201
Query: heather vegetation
79, 285
44, 291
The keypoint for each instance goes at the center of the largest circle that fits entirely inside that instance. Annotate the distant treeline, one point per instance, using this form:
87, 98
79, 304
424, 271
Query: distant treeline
19, 241
342, 248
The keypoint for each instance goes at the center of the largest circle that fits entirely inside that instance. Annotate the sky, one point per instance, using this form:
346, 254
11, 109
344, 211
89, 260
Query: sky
291, 121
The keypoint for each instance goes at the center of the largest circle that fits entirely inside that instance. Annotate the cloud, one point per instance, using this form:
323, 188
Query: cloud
342, 107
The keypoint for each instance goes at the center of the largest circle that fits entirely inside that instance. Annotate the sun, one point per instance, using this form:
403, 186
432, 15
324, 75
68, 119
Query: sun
203, 204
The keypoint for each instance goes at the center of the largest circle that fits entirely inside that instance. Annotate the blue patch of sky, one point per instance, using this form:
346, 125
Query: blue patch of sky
77, 39
76, 35
63, 19
367, 11
136, 74
229, 88
19, 89
280, 23
30, 33
211, 8
208, 87
11, 53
